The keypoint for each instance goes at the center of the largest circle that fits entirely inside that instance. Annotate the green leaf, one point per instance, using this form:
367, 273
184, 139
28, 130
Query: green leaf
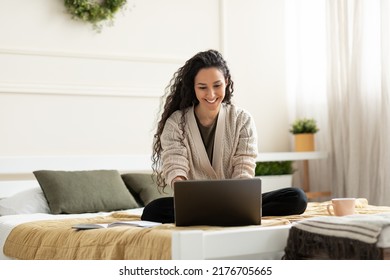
274, 168
304, 126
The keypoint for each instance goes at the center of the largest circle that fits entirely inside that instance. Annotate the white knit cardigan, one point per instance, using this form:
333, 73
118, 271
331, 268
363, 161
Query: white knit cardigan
235, 147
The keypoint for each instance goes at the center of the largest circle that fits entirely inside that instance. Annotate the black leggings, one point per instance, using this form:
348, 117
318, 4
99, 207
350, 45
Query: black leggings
282, 202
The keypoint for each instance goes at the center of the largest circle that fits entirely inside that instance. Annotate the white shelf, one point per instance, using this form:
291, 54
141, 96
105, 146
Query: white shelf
291, 156
12, 165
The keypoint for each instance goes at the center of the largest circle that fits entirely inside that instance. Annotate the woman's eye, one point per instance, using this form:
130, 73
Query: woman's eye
202, 88
217, 86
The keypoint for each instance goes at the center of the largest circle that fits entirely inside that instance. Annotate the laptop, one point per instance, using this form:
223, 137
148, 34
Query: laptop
228, 202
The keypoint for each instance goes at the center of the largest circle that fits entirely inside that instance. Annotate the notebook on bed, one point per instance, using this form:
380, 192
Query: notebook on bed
229, 202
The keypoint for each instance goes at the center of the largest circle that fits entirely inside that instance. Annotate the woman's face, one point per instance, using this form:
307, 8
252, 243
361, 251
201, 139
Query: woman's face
210, 87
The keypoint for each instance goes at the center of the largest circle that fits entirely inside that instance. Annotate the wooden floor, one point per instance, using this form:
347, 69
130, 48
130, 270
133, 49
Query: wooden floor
386, 253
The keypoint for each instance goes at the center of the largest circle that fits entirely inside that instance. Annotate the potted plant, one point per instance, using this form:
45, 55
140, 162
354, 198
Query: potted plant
304, 130
274, 174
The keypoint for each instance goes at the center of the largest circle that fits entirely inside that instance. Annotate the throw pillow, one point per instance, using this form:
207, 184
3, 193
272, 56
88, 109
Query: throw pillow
75, 192
143, 185
25, 202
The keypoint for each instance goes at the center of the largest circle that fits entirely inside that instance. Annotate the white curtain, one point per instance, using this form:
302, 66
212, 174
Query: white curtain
338, 60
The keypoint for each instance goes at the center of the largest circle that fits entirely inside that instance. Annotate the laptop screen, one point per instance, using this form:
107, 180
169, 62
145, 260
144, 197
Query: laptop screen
229, 202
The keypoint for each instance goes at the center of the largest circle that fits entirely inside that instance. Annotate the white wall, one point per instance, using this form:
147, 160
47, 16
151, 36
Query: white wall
255, 44
66, 89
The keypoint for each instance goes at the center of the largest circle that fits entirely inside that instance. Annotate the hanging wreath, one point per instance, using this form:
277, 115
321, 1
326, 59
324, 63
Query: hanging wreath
93, 11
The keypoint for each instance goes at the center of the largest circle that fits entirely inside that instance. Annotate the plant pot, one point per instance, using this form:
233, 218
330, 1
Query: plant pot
304, 142
275, 182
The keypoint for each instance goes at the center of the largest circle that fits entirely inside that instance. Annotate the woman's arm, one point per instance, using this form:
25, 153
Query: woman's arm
174, 156
244, 159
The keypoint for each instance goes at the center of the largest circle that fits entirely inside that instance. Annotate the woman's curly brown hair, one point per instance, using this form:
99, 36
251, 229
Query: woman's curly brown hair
180, 95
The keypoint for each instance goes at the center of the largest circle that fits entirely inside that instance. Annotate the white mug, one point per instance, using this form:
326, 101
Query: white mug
341, 207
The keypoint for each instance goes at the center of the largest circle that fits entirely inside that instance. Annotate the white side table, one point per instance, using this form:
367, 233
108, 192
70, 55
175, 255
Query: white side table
298, 156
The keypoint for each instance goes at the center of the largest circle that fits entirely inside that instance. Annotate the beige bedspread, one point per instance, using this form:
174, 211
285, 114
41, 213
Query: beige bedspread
55, 239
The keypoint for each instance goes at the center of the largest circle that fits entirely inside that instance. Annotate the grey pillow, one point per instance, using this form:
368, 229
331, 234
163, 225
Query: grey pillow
143, 185
74, 192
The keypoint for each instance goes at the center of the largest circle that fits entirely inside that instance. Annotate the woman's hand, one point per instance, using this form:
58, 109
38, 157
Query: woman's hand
179, 178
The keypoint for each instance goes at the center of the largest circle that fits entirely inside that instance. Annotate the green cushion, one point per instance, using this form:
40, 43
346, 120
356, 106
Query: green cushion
74, 192
143, 186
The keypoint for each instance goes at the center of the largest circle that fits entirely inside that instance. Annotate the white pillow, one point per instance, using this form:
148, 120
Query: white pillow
25, 202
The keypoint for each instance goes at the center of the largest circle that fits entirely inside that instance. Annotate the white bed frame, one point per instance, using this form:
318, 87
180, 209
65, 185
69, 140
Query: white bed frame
241, 243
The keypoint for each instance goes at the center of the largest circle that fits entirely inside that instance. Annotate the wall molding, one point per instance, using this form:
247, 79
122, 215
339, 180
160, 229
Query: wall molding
96, 56
81, 90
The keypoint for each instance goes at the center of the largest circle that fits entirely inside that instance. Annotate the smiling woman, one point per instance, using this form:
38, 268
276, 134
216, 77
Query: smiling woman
203, 136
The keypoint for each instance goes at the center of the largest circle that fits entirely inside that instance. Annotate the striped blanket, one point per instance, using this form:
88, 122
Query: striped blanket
348, 237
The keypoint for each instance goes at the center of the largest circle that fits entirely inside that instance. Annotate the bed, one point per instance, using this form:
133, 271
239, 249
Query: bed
26, 212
